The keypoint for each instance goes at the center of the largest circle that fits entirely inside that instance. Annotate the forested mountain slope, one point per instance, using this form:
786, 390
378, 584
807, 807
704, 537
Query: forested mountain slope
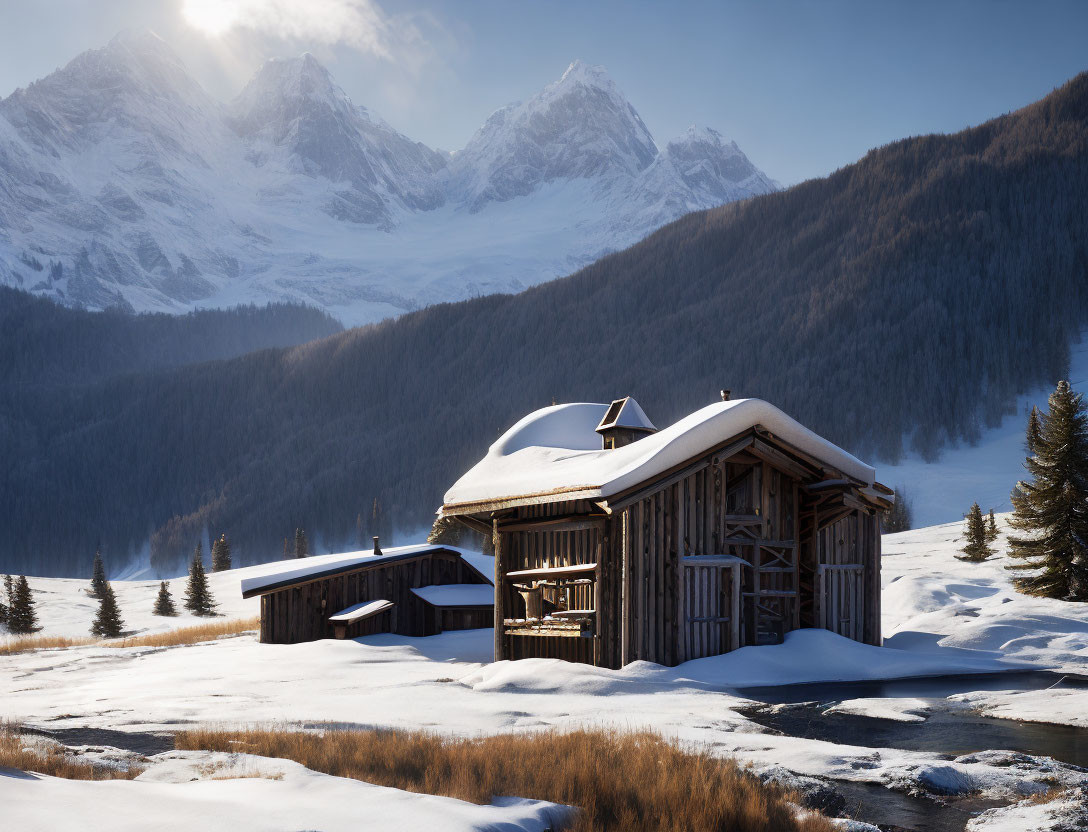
46, 345
907, 297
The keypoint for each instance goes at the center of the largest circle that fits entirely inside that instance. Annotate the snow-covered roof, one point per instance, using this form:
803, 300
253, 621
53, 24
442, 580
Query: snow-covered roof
312, 568
365, 609
625, 413
556, 450
457, 595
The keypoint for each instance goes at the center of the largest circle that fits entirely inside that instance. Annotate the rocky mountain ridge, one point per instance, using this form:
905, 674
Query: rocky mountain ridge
124, 184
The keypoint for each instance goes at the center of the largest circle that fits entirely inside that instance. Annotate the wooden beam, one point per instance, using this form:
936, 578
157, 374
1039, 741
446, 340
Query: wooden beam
554, 571
779, 460
658, 485
559, 523
475, 523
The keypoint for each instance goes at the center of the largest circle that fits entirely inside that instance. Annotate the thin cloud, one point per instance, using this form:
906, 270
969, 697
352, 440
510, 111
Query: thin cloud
359, 24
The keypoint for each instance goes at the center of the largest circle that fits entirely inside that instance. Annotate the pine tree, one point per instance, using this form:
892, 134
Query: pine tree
198, 597
164, 602
9, 594
302, 546
107, 623
98, 575
991, 528
976, 549
221, 554
446, 531
899, 518
1031, 440
1050, 512
22, 618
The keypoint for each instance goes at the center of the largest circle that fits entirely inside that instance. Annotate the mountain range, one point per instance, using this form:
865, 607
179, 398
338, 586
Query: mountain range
124, 184
898, 306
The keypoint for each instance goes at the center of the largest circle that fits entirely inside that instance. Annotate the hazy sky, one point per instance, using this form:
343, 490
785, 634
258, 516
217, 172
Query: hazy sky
803, 87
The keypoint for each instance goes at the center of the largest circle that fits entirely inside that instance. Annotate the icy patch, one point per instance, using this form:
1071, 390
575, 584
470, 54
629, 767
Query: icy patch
899, 710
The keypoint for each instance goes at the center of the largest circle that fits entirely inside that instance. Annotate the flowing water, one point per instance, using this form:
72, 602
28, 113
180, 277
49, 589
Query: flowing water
949, 729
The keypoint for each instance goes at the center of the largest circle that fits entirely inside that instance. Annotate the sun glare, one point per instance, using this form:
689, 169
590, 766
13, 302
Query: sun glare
213, 17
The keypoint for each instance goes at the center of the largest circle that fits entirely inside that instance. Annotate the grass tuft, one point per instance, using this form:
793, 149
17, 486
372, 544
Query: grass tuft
635, 782
190, 635
24, 644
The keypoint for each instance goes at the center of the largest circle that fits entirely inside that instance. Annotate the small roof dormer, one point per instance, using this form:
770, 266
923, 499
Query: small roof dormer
624, 422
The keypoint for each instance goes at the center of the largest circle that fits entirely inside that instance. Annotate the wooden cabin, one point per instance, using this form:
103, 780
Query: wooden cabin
616, 542
409, 590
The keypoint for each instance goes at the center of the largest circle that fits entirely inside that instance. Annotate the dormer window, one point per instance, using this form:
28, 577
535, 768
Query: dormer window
624, 422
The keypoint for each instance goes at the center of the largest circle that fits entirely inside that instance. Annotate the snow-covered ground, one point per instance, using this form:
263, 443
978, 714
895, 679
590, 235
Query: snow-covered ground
186, 790
941, 616
943, 490
932, 600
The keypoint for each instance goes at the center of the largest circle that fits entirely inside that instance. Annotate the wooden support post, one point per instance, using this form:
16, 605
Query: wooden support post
735, 603
625, 598
498, 541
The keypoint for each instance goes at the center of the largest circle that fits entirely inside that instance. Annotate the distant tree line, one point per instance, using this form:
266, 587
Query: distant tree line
901, 303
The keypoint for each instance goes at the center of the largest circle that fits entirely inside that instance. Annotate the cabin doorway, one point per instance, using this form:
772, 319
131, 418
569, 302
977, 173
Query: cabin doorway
840, 598
712, 605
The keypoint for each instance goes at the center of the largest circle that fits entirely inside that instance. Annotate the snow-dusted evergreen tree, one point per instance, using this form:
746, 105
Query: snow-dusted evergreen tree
899, 517
107, 623
1034, 431
198, 597
221, 554
302, 545
98, 575
1050, 512
991, 528
9, 592
164, 601
446, 530
976, 548
22, 618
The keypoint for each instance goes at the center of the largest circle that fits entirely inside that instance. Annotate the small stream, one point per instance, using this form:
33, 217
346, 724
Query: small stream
949, 729
139, 742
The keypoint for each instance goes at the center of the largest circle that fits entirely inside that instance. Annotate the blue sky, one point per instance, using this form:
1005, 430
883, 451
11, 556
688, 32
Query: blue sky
803, 87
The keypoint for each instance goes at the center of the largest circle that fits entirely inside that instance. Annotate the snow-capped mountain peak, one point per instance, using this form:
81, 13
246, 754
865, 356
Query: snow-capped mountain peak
123, 183
713, 168
579, 127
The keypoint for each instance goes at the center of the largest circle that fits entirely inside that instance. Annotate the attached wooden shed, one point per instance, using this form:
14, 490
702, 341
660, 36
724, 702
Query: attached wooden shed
409, 590
729, 528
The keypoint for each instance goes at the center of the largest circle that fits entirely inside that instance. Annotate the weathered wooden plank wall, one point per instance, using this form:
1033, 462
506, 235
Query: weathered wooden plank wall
301, 613
743, 506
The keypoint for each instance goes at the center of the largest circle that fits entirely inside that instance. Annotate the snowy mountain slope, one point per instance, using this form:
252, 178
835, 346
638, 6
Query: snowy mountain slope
122, 183
296, 120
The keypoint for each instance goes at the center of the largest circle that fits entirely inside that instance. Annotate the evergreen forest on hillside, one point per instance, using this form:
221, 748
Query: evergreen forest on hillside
898, 305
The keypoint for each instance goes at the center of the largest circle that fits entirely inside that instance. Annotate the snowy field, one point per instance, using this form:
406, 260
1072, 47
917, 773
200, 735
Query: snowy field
941, 616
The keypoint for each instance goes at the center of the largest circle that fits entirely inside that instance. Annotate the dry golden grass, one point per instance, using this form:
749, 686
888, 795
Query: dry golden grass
636, 782
17, 752
25, 643
171, 638
189, 635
